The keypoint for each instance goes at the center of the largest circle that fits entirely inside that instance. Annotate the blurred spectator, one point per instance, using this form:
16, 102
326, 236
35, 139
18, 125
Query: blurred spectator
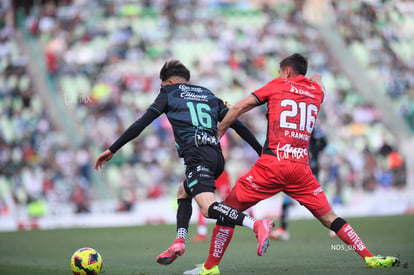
80, 198
394, 165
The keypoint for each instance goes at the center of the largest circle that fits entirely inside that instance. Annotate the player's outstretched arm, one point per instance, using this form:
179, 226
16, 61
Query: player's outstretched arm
239, 108
103, 158
247, 135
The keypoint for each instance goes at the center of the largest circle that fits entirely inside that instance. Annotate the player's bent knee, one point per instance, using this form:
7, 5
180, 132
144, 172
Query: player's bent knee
204, 212
181, 193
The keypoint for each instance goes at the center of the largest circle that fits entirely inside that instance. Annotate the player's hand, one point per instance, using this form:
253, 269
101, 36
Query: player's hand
102, 159
316, 77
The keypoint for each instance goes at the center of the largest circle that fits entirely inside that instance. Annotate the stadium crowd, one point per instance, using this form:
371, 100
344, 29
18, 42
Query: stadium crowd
379, 34
104, 57
34, 162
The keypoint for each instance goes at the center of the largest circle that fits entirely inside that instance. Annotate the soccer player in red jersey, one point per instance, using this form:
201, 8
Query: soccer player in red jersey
293, 103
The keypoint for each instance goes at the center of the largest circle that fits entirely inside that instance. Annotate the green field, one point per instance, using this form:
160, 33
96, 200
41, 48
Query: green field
133, 250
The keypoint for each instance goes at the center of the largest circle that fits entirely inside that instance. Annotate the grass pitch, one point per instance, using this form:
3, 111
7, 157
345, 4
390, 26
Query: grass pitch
133, 250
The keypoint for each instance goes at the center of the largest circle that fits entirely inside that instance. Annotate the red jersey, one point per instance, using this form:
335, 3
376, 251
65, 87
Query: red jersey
293, 107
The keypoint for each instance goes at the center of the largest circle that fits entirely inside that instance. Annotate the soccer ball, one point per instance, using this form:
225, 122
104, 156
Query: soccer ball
86, 261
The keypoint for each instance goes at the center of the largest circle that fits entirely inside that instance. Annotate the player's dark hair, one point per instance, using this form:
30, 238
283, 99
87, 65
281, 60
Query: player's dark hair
297, 62
174, 68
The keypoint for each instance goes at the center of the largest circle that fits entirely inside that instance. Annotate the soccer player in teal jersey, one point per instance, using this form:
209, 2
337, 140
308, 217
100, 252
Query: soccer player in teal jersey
194, 113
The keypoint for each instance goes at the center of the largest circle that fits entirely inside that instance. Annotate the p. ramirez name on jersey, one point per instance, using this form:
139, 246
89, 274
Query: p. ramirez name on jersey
297, 135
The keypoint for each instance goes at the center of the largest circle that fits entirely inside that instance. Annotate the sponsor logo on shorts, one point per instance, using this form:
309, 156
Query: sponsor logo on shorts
202, 168
252, 183
317, 190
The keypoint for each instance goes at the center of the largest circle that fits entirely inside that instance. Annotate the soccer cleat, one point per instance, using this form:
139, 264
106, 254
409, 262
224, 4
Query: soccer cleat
201, 270
176, 249
280, 234
262, 228
381, 261
199, 238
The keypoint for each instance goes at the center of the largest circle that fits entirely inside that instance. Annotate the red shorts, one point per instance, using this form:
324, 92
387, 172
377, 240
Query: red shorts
270, 176
223, 184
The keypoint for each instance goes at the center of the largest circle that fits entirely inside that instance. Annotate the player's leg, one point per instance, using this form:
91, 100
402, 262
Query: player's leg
220, 240
348, 235
344, 231
282, 233
184, 212
212, 209
221, 235
219, 211
202, 189
223, 187
201, 185
241, 198
201, 229
310, 194
284, 218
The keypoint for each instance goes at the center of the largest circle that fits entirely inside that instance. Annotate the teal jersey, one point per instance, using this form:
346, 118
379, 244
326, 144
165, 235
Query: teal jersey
193, 112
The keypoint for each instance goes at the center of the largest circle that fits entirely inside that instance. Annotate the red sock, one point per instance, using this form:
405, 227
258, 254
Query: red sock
350, 237
220, 239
